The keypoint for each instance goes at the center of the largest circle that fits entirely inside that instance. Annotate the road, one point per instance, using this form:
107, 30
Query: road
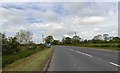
71, 58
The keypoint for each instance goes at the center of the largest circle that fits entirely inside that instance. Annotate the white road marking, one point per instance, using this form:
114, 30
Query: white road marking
88, 55
114, 64
84, 53
71, 49
80, 52
91, 56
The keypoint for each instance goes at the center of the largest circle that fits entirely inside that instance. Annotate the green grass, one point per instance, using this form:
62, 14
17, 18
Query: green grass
106, 46
8, 59
34, 62
0, 64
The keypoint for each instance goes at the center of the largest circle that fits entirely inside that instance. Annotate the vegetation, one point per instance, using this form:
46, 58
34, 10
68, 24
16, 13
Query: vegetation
18, 47
10, 44
21, 45
23, 37
8, 59
99, 41
35, 62
55, 42
107, 46
49, 39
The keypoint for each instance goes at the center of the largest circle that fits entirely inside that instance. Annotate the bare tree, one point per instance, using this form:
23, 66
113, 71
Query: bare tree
23, 37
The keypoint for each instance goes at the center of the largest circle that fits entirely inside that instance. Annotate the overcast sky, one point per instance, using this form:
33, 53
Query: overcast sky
60, 18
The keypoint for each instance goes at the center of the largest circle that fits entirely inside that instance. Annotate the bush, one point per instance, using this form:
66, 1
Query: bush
106, 45
8, 59
118, 45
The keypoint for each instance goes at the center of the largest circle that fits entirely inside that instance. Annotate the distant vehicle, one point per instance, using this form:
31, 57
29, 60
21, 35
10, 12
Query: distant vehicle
48, 45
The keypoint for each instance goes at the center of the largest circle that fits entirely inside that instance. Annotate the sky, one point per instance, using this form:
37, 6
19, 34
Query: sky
60, 19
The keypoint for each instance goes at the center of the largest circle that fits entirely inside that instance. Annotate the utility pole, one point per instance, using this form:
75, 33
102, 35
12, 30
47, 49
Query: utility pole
75, 34
43, 38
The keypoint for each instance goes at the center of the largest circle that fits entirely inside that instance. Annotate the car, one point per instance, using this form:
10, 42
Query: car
48, 45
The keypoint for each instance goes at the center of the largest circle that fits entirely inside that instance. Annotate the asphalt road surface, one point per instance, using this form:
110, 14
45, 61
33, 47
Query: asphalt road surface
70, 58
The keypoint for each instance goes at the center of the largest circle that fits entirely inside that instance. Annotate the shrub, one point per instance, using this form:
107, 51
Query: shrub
8, 59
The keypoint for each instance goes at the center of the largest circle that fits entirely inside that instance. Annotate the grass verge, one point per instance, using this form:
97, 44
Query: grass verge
104, 48
10, 58
108, 46
34, 62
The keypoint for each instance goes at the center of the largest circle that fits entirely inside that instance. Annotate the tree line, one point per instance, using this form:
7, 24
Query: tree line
18, 46
21, 45
20, 42
105, 38
23, 38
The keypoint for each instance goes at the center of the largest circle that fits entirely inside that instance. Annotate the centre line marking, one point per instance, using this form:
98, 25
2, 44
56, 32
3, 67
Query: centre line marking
88, 55
114, 64
80, 52
84, 53
71, 49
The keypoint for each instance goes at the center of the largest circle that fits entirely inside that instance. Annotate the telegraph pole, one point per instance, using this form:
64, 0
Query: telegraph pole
75, 34
43, 38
